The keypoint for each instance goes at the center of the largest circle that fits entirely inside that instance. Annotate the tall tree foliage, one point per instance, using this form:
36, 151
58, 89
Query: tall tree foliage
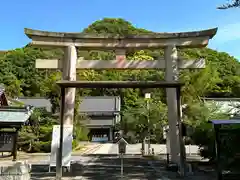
233, 4
140, 119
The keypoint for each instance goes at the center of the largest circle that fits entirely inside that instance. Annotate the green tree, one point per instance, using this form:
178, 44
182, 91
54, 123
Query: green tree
114, 26
37, 135
51, 90
197, 116
139, 119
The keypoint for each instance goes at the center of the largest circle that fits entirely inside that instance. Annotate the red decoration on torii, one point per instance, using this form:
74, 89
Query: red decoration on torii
120, 60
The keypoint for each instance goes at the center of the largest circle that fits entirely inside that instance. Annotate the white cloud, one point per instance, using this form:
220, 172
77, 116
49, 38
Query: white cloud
227, 33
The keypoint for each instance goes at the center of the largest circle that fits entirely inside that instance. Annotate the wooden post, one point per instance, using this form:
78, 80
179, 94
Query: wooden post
15, 145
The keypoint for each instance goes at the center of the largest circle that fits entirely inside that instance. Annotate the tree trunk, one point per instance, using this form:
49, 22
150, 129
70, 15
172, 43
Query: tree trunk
143, 147
30, 146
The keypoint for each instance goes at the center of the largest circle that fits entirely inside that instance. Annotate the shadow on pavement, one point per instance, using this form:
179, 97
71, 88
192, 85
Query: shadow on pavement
109, 167
42, 171
106, 167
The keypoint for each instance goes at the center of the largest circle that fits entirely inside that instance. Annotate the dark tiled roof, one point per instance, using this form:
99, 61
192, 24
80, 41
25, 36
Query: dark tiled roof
225, 105
221, 99
232, 121
36, 102
91, 105
15, 114
99, 104
100, 113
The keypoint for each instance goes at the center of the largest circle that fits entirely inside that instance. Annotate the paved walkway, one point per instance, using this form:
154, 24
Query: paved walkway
100, 162
100, 167
43, 158
104, 149
110, 148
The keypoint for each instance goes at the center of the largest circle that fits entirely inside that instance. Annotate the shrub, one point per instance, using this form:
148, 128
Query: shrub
74, 144
203, 136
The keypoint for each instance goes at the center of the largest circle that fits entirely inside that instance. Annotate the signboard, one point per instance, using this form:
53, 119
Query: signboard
67, 145
99, 139
7, 140
122, 143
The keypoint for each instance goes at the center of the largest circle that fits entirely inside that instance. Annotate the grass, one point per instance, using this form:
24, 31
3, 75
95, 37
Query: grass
79, 148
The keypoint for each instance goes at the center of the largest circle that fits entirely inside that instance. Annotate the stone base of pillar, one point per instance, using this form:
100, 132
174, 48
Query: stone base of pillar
15, 170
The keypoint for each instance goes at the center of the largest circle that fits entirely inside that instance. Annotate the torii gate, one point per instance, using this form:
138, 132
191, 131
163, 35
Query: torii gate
171, 63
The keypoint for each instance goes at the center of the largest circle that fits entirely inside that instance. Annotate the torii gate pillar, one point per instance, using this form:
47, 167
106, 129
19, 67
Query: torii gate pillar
171, 74
69, 73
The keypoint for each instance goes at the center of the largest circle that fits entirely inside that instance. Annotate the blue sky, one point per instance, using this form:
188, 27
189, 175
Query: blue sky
155, 15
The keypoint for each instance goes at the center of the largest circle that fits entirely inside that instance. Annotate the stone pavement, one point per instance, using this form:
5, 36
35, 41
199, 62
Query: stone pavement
101, 167
110, 148
104, 149
100, 161
159, 166
104, 167
91, 148
43, 158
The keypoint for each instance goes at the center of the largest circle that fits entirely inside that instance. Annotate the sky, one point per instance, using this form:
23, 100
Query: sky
155, 15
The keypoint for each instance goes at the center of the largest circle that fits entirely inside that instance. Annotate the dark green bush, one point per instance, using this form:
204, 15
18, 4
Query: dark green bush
74, 144
42, 147
204, 137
